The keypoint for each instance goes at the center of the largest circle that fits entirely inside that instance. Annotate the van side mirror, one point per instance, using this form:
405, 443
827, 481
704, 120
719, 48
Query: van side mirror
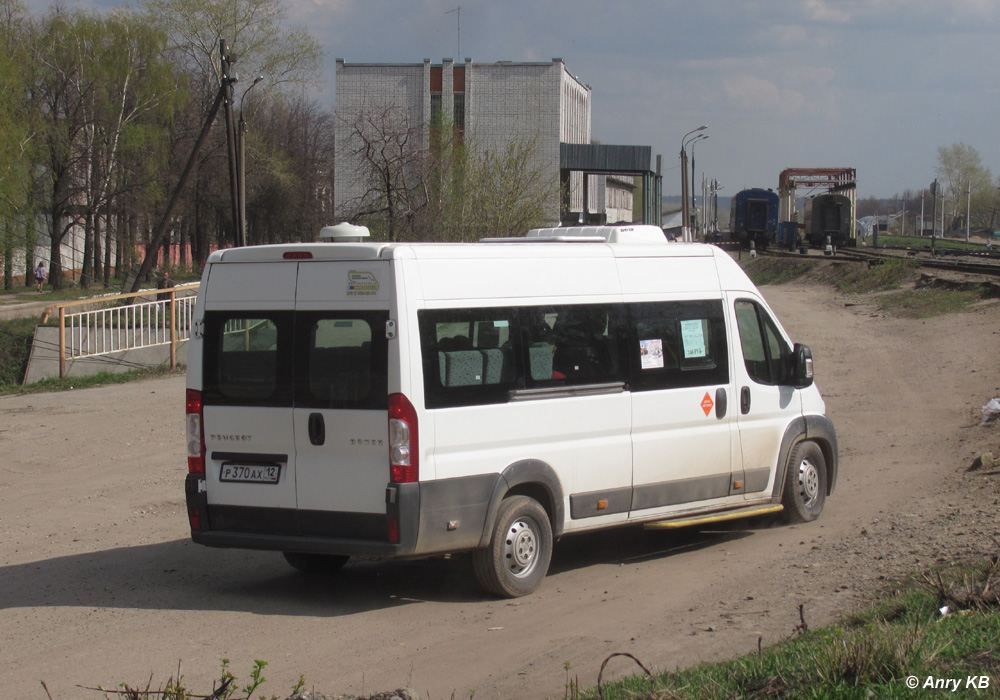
802, 366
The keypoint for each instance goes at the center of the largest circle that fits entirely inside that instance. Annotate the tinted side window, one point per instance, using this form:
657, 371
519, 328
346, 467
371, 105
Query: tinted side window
569, 345
469, 356
342, 360
247, 359
678, 344
479, 356
763, 347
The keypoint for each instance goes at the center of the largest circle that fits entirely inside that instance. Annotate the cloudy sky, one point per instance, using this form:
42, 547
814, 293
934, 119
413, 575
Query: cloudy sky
877, 85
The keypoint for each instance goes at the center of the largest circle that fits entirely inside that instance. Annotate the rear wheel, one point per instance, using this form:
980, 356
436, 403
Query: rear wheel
805, 483
518, 555
315, 563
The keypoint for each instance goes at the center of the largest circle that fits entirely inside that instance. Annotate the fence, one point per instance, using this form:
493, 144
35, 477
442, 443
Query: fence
120, 322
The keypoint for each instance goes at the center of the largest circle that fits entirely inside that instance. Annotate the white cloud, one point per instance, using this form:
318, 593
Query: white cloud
822, 11
759, 95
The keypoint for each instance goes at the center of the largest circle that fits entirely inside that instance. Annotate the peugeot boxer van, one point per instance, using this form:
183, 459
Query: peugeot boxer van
381, 400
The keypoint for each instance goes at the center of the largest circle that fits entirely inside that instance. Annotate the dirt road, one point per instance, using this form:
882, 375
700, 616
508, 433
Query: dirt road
99, 583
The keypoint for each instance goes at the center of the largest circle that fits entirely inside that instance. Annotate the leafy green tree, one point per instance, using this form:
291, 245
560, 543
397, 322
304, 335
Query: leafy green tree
256, 31
258, 37
289, 169
17, 142
132, 103
509, 190
963, 175
105, 95
455, 188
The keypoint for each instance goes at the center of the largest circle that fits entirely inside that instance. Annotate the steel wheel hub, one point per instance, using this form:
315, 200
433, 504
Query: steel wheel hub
520, 549
808, 483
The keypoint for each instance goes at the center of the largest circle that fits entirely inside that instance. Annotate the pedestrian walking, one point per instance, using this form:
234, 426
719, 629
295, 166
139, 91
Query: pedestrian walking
40, 275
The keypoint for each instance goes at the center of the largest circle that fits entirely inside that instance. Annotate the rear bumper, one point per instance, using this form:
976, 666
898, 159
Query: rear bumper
280, 529
298, 543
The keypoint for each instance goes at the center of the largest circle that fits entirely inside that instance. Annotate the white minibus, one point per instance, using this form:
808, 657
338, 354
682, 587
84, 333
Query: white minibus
388, 400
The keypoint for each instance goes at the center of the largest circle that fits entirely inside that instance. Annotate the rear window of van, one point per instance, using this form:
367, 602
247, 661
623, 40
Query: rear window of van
306, 360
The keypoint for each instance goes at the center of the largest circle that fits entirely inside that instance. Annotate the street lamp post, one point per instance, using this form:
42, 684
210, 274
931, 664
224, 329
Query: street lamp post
694, 201
685, 212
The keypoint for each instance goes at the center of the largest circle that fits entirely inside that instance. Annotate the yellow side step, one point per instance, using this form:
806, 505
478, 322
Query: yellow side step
715, 517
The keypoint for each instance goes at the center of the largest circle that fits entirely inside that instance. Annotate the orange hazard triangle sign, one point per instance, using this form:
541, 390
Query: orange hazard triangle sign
707, 404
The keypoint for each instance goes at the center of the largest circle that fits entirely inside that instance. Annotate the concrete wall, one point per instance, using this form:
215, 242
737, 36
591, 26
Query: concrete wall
44, 360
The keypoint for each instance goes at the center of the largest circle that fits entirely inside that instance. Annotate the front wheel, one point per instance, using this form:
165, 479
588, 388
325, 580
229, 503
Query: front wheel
805, 483
517, 558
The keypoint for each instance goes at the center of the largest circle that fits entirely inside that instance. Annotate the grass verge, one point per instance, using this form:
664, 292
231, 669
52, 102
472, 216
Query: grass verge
902, 291
855, 278
848, 277
943, 627
101, 379
930, 301
773, 270
925, 242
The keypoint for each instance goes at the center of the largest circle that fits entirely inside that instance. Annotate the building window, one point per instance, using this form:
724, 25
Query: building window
459, 110
437, 109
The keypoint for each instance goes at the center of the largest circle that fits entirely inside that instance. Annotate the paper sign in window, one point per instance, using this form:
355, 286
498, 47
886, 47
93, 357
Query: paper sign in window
651, 352
693, 337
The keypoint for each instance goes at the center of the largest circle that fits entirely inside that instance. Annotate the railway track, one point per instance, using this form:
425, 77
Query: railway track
985, 263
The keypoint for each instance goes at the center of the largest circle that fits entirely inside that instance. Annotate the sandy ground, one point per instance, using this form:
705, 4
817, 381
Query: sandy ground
100, 584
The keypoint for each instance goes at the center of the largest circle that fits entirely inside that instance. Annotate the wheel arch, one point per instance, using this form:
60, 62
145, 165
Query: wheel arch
535, 479
817, 429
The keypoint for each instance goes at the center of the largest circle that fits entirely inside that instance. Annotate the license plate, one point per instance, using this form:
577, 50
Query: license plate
251, 473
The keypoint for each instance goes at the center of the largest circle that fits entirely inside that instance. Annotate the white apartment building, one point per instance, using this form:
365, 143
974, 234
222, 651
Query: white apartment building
493, 103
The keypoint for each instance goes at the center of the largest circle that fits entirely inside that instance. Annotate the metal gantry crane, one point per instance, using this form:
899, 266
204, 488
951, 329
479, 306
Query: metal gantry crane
826, 180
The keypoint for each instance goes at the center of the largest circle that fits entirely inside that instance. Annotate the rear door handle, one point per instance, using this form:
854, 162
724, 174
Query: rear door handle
745, 400
317, 429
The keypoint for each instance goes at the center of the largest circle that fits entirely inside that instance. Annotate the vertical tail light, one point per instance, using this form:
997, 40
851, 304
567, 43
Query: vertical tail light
404, 458
195, 434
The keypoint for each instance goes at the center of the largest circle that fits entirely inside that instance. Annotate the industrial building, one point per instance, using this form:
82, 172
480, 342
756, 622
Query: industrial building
492, 104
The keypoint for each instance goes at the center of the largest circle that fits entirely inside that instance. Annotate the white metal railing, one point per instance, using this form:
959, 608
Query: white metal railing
124, 322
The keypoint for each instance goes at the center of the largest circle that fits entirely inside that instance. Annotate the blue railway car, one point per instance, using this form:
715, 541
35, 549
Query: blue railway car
753, 218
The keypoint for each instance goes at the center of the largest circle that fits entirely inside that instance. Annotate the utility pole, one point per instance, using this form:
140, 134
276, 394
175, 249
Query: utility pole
161, 228
934, 189
968, 209
234, 188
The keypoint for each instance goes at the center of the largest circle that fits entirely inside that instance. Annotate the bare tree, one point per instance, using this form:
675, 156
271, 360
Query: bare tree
290, 171
451, 188
384, 151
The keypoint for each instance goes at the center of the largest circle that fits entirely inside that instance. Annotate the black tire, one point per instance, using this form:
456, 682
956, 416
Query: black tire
805, 483
520, 549
315, 563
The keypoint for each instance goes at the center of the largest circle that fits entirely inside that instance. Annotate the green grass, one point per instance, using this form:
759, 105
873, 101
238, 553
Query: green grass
764, 270
15, 346
929, 301
863, 279
925, 242
868, 656
888, 279
93, 380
